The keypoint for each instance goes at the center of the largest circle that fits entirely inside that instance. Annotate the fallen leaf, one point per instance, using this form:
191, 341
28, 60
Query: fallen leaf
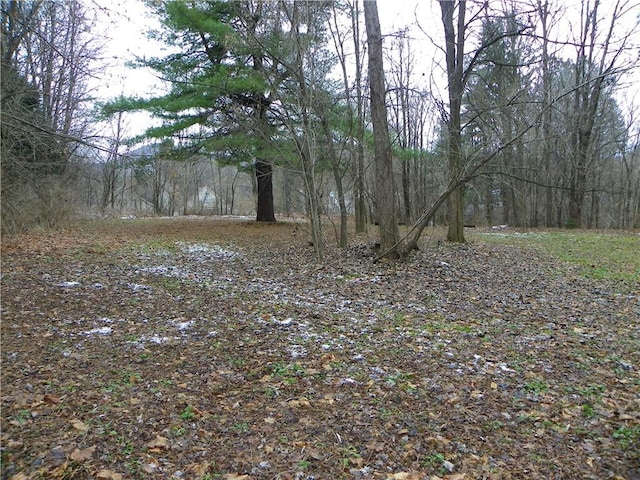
233, 476
158, 442
79, 425
270, 420
19, 476
51, 399
199, 469
406, 476
109, 475
79, 455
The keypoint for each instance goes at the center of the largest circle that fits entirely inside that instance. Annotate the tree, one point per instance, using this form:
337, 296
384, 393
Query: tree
304, 101
223, 79
454, 54
490, 117
46, 61
385, 193
595, 68
353, 97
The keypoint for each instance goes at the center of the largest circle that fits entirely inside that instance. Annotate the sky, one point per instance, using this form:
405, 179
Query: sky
126, 24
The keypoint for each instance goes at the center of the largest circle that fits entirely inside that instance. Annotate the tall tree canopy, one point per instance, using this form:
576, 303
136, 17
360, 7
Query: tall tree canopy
223, 77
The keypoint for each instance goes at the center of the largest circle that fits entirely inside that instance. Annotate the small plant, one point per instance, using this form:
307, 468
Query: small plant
351, 456
627, 436
22, 417
178, 431
240, 427
433, 460
127, 447
588, 411
287, 372
298, 369
304, 464
279, 370
493, 425
592, 391
271, 392
188, 413
235, 361
133, 466
536, 386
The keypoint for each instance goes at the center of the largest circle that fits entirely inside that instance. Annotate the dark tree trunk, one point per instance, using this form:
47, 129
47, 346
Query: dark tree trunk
264, 181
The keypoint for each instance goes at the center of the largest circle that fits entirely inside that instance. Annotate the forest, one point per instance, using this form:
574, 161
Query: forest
348, 240
519, 113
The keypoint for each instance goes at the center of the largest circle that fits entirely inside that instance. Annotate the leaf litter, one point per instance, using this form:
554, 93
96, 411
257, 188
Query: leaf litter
202, 348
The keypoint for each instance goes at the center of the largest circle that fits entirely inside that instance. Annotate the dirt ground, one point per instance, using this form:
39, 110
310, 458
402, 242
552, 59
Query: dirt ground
202, 348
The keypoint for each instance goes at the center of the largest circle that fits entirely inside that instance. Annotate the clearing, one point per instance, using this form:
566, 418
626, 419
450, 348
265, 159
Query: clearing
201, 348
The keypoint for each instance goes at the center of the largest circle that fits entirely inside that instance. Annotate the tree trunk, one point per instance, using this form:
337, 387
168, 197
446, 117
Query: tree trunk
264, 176
385, 185
337, 176
454, 53
359, 187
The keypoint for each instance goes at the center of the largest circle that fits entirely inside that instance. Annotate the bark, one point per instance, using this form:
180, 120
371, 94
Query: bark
264, 177
454, 52
359, 187
337, 176
385, 185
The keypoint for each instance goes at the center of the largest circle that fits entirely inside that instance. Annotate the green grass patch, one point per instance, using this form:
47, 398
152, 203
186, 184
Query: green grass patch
601, 256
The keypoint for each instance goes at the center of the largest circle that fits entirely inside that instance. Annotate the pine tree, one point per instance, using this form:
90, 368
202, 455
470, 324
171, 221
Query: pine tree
224, 77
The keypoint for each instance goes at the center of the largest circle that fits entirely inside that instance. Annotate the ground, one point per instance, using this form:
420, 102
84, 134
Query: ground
202, 348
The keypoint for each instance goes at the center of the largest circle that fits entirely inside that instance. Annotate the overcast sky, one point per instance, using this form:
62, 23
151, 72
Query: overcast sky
128, 22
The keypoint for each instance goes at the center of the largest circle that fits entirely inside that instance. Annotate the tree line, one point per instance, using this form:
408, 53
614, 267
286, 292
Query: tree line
519, 118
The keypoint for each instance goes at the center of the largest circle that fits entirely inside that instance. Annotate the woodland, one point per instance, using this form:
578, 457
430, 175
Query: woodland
522, 113
335, 251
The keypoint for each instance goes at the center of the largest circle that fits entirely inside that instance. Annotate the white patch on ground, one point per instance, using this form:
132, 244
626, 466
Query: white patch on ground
71, 284
206, 250
136, 287
286, 321
342, 382
158, 340
183, 325
297, 351
165, 271
98, 331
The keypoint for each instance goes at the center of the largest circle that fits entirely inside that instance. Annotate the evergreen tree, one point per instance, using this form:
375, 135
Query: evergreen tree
224, 77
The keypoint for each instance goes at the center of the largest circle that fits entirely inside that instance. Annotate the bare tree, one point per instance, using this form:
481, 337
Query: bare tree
385, 193
354, 99
454, 35
597, 61
47, 55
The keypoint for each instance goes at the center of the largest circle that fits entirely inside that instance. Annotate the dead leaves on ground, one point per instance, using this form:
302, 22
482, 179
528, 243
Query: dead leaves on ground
456, 364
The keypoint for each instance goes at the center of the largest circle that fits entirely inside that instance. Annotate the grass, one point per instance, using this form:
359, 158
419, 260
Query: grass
627, 436
188, 413
601, 256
